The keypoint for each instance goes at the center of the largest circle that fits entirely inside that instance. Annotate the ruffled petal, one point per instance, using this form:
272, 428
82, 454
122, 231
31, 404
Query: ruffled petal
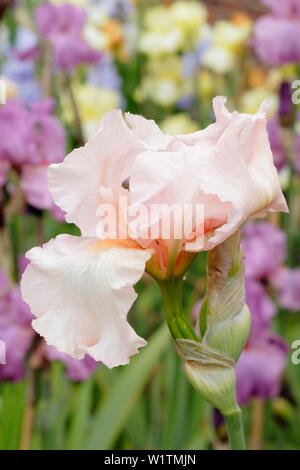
81, 290
171, 182
105, 161
147, 131
228, 168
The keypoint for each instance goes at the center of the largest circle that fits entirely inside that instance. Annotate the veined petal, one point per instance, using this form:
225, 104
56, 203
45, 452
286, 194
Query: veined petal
81, 290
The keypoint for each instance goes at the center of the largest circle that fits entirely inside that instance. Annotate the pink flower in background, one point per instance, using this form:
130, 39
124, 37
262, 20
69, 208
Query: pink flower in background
287, 285
265, 249
276, 40
15, 330
18, 336
15, 142
286, 8
77, 370
81, 288
32, 138
261, 307
276, 142
259, 369
48, 135
276, 36
62, 27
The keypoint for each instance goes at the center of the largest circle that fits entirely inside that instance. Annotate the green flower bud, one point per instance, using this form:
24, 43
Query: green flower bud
224, 316
211, 373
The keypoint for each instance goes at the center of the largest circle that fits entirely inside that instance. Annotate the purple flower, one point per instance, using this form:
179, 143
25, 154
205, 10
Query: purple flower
284, 7
286, 107
276, 40
32, 139
260, 368
276, 143
62, 27
48, 137
261, 308
15, 142
34, 184
77, 369
287, 285
15, 330
265, 249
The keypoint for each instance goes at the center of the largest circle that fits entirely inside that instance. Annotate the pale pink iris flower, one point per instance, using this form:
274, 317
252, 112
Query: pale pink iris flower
81, 288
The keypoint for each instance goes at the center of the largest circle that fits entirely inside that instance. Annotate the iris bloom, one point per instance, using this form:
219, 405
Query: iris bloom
81, 288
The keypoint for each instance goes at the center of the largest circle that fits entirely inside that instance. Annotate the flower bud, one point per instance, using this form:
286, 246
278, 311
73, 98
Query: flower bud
224, 316
211, 373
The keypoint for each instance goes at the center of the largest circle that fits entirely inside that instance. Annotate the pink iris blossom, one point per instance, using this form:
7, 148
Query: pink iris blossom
62, 27
81, 288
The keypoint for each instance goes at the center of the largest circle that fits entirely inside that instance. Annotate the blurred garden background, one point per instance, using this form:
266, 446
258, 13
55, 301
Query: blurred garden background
63, 65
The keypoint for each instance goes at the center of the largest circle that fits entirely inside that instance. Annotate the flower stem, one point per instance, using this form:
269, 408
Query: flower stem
235, 429
178, 323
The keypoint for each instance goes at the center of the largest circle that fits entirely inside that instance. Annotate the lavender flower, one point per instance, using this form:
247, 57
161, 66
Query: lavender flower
287, 285
62, 26
265, 249
15, 330
276, 40
77, 370
260, 368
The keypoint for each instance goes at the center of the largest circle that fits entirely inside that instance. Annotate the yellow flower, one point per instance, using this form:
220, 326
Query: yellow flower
252, 99
11, 88
180, 123
101, 31
155, 43
93, 102
163, 82
189, 16
170, 29
231, 36
218, 59
158, 18
205, 82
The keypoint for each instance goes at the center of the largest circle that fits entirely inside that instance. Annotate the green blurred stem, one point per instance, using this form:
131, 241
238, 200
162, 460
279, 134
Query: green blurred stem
235, 429
178, 323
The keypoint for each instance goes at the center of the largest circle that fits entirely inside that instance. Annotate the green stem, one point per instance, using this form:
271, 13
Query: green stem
235, 429
178, 323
